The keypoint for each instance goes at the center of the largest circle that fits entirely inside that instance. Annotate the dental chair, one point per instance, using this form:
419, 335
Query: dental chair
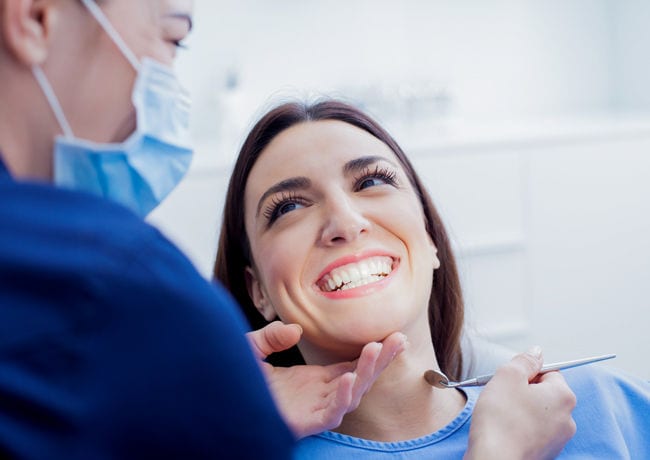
480, 355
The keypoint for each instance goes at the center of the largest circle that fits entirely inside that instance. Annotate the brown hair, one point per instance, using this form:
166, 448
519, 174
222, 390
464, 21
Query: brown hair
445, 303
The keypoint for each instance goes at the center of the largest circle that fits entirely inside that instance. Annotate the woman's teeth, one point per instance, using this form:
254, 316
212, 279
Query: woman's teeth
356, 274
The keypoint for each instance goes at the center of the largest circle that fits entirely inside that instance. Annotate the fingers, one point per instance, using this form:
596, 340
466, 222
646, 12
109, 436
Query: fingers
553, 378
366, 367
274, 338
342, 385
370, 362
333, 413
351, 386
334, 371
527, 364
392, 346
375, 357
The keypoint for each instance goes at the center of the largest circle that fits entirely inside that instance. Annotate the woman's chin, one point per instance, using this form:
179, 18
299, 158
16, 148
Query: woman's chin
350, 344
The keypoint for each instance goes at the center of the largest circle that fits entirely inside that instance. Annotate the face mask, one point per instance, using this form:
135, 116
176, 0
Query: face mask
141, 171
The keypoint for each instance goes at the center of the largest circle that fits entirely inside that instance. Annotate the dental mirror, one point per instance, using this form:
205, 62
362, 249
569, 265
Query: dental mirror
439, 380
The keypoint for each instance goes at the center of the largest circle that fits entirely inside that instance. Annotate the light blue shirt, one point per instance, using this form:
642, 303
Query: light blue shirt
612, 418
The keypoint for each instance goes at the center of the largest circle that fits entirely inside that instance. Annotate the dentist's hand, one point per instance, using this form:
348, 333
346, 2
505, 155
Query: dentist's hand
521, 415
313, 399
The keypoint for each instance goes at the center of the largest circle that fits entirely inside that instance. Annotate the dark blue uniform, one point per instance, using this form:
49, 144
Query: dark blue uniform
113, 346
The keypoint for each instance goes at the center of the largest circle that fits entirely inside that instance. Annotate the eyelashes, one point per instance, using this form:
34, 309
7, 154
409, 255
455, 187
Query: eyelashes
289, 201
385, 174
282, 204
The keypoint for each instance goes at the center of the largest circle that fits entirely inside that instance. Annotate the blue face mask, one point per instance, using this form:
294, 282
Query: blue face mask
141, 171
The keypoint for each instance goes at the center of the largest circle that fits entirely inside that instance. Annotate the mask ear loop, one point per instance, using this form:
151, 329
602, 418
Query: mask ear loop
53, 100
103, 21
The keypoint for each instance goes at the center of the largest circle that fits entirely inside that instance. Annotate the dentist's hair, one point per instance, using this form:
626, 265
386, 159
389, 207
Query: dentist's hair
446, 311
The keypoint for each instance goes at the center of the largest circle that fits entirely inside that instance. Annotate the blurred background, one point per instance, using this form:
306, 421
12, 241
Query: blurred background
529, 121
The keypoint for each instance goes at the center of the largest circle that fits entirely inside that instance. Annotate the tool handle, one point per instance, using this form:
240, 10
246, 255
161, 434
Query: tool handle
574, 363
484, 379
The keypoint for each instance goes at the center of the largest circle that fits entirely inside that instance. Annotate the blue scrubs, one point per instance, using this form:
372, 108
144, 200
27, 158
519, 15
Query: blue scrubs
612, 418
113, 346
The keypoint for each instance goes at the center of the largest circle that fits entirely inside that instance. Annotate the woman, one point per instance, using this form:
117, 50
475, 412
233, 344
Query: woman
327, 225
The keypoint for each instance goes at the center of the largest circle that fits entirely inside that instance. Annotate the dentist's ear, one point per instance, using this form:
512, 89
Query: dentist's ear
258, 296
24, 25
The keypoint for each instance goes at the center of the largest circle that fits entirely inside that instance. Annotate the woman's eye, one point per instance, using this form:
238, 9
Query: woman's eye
378, 176
283, 205
286, 207
370, 182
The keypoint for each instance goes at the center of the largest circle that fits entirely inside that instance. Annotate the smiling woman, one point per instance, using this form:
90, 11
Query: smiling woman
316, 209
355, 212
327, 225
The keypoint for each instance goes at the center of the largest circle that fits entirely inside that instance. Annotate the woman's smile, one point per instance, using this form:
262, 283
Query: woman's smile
353, 276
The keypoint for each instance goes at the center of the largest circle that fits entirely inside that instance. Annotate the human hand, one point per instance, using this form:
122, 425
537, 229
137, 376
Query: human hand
522, 415
313, 399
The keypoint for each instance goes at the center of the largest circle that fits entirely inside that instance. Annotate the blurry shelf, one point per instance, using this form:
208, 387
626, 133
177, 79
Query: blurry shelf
493, 245
444, 135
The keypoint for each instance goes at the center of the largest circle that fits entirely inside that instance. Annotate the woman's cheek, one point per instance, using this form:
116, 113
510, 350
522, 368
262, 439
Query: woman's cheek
278, 260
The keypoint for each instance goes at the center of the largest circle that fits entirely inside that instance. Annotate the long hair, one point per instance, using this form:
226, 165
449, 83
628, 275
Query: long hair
446, 312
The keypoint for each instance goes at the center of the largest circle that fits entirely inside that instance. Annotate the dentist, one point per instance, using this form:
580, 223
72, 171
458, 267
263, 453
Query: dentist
111, 344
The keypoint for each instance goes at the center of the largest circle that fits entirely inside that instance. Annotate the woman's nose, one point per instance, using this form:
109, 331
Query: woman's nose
343, 224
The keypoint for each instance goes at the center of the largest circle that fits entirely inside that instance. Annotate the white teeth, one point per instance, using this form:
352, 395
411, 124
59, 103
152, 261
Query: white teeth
357, 274
386, 267
364, 270
331, 284
362, 282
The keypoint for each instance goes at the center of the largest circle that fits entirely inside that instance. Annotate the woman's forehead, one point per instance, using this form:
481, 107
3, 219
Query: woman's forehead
322, 143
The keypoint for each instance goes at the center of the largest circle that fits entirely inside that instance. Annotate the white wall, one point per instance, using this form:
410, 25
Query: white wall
590, 252
490, 59
551, 235
631, 60
552, 241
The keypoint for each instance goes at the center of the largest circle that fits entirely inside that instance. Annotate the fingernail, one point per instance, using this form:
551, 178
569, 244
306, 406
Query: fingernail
535, 351
299, 327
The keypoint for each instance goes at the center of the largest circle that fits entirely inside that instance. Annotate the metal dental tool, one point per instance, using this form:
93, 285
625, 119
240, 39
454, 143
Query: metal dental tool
440, 380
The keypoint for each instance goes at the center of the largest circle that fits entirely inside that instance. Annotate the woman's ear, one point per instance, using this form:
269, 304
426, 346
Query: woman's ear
258, 296
436, 261
24, 25
434, 255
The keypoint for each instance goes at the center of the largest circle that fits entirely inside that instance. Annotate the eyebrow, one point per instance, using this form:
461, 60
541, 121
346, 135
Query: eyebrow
183, 17
293, 183
358, 164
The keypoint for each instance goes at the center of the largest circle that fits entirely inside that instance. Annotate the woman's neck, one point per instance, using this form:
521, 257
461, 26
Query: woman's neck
401, 405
